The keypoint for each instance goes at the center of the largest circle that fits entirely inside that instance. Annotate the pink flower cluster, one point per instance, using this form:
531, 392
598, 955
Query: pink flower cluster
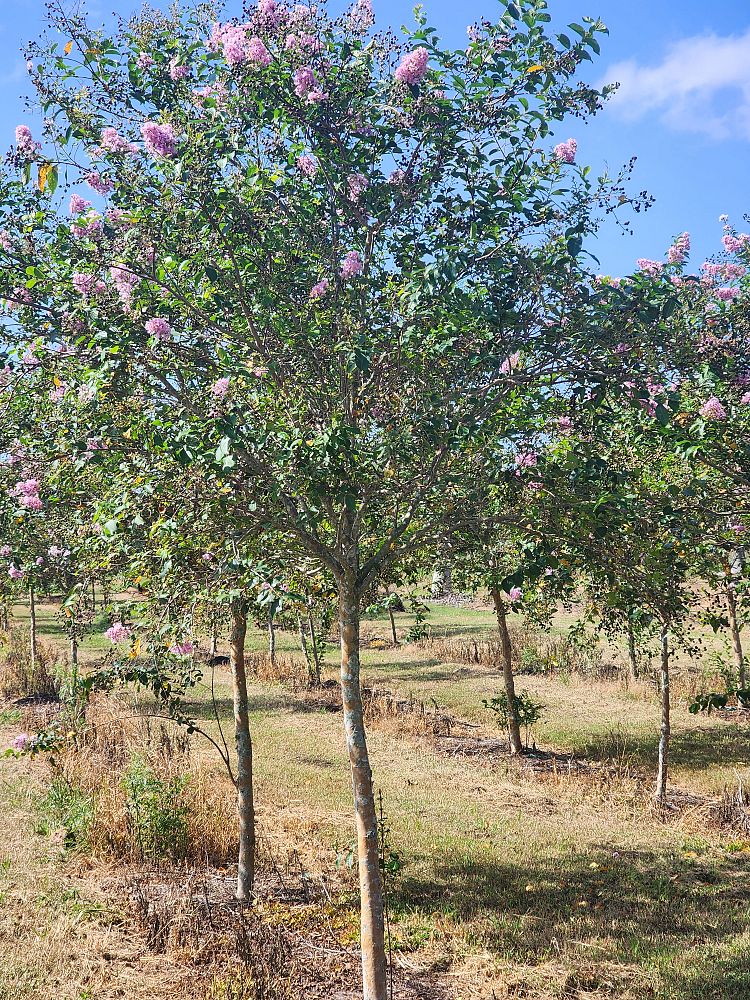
102, 185
653, 268
303, 43
232, 40
565, 152
306, 85
361, 18
712, 409
112, 141
178, 70
159, 140
357, 184
87, 285
515, 594
27, 492
351, 265
733, 244
527, 459
319, 290
78, 204
158, 328
124, 281
185, 648
145, 61
220, 387
677, 253
25, 141
15, 573
307, 165
413, 67
21, 742
117, 632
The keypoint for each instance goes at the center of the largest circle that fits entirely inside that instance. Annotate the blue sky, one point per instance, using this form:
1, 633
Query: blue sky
683, 108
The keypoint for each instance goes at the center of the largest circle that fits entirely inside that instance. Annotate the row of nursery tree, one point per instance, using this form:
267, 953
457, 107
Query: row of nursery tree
295, 309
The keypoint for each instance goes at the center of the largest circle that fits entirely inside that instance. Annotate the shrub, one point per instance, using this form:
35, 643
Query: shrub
529, 711
156, 811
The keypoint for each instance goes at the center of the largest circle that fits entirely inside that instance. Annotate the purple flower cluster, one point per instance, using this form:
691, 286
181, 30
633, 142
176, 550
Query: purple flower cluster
712, 409
78, 204
677, 253
651, 267
319, 290
112, 141
565, 152
413, 67
357, 184
158, 328
25, 141
124, 281
27, 493
117, 632
307, 165
351, 265
102, 185
87, 285
159, 140
178, 70
307, 86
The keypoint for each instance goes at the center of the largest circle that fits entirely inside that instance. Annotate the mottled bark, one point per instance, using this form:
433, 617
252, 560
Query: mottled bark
506, 652
374, 964
244, 777
734, 628
663, 768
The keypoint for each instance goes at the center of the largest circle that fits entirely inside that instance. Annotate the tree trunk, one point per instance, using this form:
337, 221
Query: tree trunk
93, 595
314, 647
632, 657
661, 776
244, 779
514, 725
374, 964
271, 641
32, 629
393, 625
305, 651
739, 659
213, 647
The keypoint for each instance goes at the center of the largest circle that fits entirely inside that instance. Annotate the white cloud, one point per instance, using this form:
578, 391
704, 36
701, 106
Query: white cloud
702, 85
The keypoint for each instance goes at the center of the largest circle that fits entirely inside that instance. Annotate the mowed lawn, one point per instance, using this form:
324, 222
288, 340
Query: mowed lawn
507, 880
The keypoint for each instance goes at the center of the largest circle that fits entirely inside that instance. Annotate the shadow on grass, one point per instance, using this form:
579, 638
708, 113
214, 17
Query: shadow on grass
695, 749
425, 670
638, 908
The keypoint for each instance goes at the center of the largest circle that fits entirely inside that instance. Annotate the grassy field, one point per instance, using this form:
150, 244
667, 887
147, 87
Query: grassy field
551, 877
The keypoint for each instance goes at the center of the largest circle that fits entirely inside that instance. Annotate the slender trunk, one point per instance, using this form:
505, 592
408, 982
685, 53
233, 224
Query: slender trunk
632, 656
514, 725
393, 625
305, 651
739, 658
32, 628
214, 639
661, 775
93, 595
271, 641
244, 779
374, 964
314, 647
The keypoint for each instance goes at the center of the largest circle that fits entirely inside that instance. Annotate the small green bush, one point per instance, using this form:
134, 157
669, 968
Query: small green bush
68, 807
157, 814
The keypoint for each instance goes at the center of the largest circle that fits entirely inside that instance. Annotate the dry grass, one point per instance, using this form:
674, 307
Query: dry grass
17, 678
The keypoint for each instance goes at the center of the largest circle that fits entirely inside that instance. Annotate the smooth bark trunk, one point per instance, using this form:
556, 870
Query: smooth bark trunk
393, 625
663, 768
506, 650
213, 647
734, 628
374, 964
32, 628
632, 656
244, 745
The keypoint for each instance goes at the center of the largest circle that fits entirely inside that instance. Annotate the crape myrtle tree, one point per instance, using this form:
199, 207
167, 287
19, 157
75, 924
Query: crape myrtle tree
171, 535
306, 254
